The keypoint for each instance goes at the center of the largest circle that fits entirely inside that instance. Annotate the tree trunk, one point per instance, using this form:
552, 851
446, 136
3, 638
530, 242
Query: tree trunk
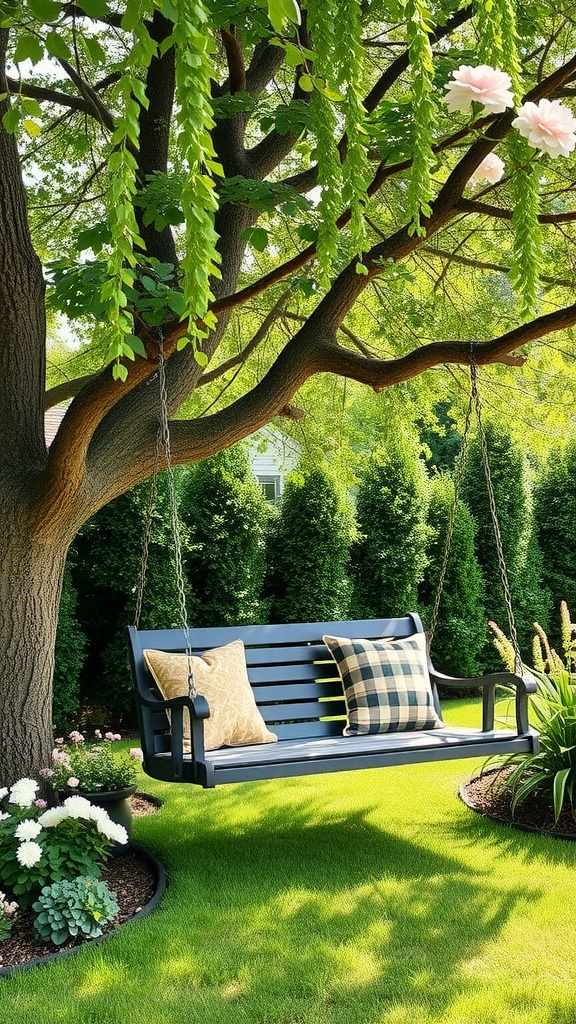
30, 587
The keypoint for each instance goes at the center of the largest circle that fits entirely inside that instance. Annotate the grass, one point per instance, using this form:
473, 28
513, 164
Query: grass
357, 898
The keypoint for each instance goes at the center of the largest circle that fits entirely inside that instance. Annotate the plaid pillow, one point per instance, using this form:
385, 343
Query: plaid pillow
386, 684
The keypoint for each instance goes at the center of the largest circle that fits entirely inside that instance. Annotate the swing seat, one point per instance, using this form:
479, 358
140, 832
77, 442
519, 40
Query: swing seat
299, 693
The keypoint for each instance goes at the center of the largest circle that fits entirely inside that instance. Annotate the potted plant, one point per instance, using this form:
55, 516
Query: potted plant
97, 770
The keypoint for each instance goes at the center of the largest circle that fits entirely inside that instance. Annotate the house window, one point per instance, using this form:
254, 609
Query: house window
271, 487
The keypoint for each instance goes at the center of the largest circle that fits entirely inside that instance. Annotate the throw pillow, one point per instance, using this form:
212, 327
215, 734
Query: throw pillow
386, 684
221, 677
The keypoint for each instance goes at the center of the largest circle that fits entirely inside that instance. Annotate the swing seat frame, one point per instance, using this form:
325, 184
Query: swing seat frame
299, 693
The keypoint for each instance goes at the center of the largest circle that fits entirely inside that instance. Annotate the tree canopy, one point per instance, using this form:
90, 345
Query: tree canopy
236, 179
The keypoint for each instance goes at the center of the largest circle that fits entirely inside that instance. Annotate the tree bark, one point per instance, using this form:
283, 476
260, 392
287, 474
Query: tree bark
30, 588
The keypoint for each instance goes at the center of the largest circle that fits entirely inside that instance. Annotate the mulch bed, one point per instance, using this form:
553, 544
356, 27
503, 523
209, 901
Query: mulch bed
485, 795
130, 877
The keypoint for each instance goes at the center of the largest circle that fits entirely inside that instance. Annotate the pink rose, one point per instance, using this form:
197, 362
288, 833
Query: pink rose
40, 803
548, 126
482, 84
73, 782
491, 169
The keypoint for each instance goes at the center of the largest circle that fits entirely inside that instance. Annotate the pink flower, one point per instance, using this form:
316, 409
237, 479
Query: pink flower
483, 85
548, 125
73, 782
108, 735
60, 757
40, 803
116, 736
46, 773
59, 740
136, 753
98, 734
76, 737
490, 169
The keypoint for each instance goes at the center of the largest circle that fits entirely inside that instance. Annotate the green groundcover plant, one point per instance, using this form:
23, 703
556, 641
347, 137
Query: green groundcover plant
80, 906
40, 845
549, 774
91, 767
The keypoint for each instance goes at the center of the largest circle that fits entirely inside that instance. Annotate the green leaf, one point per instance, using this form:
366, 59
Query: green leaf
257, 237
94, 8
28, 48
119, 371
95, 50
306, 83
31, 107
45, 10
31, 128
11, 119
57, 46
136, 344
559, 788
282, 11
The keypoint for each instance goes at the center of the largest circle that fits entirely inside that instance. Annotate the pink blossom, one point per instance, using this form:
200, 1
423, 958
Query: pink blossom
76, 737
490, 169
60, 757
46, 773
116, 736
98, 734
548, 126
136, 753
108, 735
59, 740
73, 782
483, 84
40, 803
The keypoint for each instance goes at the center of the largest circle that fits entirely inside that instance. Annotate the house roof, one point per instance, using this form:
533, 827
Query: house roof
52, 420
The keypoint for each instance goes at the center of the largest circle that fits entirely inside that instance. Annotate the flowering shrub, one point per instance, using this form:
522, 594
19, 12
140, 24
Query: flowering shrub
39, 845
547, 125
70, 908
7, 913
91, 767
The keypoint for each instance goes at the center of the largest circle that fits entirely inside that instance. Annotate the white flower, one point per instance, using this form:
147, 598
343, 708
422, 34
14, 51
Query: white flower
53, 816
28, 854
3, 792
110, 829
490, 169
78, 807
548, 126
23, 792
28, 829
4, 816
483, 85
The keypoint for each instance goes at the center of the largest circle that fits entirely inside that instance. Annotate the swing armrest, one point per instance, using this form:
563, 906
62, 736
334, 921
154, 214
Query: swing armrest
523, 684
197, 706
199, 710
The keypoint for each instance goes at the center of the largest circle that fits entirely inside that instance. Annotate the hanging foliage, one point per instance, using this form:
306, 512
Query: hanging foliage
420, 190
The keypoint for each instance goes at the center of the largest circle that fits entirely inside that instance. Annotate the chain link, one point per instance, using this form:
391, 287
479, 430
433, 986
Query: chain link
163, 445
494, 517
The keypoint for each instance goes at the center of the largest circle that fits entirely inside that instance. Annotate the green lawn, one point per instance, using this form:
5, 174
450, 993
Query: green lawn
357, 898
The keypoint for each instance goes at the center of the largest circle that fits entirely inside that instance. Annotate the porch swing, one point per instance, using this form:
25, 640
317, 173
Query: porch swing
309, 697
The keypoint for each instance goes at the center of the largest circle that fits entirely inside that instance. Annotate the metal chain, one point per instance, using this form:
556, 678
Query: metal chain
147, 532
163, 444
494, 517
458, 477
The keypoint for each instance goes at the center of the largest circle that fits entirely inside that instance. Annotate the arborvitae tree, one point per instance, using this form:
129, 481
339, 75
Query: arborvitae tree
108, 559
530, 599
70, 654
388, 560
441, 437
309, 550
461, 628
555, 524
227, 517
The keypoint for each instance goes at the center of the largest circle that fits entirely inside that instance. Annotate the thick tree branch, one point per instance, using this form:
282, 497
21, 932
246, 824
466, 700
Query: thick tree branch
467, 261
63, 99
67, 390
476, 206
235, 60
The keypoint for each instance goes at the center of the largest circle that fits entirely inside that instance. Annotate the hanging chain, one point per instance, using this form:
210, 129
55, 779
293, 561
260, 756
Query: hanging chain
494, 517
458, 477
163, 445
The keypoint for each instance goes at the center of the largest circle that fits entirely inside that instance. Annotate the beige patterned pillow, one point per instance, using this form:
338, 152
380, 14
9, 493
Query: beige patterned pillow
221, 678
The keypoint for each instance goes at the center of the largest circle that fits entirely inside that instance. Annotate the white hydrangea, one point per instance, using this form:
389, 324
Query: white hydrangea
78, 807
113, 831
28, 854
23, 792
4, 816
53, 816
3, 792
28, 829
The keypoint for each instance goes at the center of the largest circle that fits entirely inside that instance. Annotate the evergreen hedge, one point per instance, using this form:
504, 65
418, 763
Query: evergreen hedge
388, 560
69, 658
555, 524
226, 517
309, 550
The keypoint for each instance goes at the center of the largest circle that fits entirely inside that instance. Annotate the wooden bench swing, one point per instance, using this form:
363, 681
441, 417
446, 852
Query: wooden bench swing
298, 689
